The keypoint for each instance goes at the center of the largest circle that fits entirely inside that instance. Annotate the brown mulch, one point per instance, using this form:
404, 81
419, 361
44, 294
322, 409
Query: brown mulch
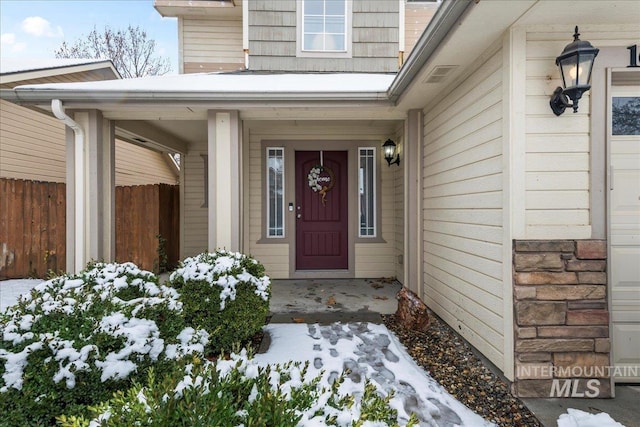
448, 358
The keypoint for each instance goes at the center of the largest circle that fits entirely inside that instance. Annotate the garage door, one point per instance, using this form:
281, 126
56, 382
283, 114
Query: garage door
624, 226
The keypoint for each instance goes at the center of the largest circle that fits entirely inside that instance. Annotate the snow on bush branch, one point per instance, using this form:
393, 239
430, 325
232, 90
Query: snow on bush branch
101, 304
224, 269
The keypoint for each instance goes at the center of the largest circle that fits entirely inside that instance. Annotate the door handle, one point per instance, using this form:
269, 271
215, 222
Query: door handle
610, 177
299, 216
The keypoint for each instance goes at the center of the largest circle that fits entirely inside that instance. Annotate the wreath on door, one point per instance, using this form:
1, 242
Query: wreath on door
321, 180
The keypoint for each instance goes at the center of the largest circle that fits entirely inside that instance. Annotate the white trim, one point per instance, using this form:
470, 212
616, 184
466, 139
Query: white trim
513, 176
515, 125
401, 26
375, 201
348, 35
267, 210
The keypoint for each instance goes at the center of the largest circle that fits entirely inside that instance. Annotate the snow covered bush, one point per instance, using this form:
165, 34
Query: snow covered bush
77, 339
237, 392
224, 293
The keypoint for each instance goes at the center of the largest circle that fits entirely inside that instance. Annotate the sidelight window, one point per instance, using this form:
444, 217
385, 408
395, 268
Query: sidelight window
275, 192
366, 191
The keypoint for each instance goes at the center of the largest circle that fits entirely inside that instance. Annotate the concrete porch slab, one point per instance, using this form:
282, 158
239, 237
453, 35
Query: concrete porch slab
331, 296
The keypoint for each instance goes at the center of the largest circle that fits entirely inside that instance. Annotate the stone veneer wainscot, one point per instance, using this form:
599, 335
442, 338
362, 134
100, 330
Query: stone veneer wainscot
561, 315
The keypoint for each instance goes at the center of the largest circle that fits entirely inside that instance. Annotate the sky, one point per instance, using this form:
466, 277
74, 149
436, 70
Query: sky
33, 29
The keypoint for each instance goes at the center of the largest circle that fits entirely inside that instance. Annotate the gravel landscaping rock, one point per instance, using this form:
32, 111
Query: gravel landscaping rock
448, 358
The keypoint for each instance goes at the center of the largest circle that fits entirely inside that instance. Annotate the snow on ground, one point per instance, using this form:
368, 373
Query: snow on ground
10, 290
366, 350
577, 418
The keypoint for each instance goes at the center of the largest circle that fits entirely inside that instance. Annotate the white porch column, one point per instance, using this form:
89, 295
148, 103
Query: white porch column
413, 234
91, 235
224, 183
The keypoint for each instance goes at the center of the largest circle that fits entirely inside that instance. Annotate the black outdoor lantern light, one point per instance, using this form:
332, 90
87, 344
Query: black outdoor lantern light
389, 148
576, 63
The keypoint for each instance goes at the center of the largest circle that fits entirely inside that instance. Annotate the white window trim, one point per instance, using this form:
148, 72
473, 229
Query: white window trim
268, 216
347, 53
375, 197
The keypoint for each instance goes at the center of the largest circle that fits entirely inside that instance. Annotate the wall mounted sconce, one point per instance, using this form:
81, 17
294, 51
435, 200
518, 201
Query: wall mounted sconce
576, 63
389, 149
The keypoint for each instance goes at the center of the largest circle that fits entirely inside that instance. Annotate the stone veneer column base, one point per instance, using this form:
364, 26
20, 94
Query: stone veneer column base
562, 346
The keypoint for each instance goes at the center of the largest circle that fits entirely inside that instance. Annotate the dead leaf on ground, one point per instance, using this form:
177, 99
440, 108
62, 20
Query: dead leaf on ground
331, 301
298, 319
383, 298
377, 286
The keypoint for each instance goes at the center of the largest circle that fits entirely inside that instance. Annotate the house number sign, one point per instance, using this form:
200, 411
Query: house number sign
634, 58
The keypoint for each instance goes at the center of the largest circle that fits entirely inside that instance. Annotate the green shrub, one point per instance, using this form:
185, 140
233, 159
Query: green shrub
224, 293
237, 392
76, 339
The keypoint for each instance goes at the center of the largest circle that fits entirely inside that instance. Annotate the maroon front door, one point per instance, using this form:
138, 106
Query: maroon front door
321, 211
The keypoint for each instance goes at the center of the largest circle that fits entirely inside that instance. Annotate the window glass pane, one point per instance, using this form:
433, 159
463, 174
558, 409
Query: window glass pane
626, 115
313, 42
335, 7
334, 42
313, 24
275, 192
335, 24
366, 189
313, 7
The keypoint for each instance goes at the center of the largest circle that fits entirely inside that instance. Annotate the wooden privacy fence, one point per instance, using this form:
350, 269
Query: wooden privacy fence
33, 227
147, 224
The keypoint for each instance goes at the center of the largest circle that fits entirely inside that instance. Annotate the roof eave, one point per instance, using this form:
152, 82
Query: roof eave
15, 76
439, 27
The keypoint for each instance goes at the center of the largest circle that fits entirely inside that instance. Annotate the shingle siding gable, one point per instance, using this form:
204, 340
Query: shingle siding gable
273, 32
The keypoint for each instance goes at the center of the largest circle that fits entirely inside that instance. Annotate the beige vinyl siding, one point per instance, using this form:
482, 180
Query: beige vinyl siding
195, 230
557, 149
416, 18
273, 32
209, 44
371, 259
558, 154
462, 207
140, 166
32, 146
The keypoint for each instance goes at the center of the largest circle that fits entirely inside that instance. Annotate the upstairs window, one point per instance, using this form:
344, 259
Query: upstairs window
324, 25
324, 28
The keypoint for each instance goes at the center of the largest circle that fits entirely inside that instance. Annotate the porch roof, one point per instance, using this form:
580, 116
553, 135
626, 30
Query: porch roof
244, 86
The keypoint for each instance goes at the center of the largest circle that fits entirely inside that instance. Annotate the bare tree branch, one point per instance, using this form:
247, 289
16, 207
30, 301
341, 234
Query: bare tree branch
132, 53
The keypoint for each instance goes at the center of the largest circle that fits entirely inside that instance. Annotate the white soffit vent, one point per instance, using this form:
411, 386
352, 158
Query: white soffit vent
439, 73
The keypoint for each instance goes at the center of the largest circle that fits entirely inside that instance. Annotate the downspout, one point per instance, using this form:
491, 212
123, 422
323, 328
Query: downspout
78, 168
245, 33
